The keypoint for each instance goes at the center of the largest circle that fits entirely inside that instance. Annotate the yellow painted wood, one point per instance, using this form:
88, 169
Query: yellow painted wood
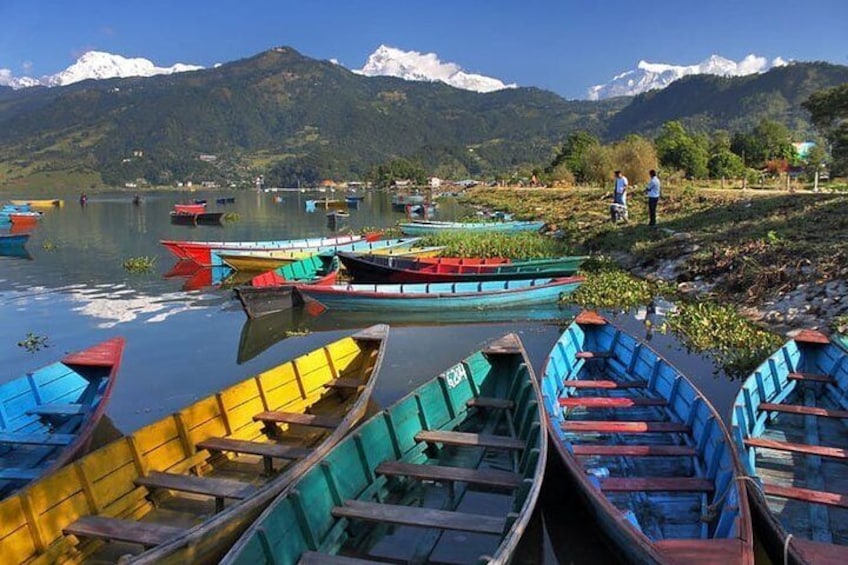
140, 463
53, 489
116, 484
11, 516
225, 418
38, 539
133, 505
86, 488
261, 390
18, 545
105, 460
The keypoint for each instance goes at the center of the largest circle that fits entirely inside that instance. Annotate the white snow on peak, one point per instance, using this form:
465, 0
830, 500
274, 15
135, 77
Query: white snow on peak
649, 76
412, 65
96, 65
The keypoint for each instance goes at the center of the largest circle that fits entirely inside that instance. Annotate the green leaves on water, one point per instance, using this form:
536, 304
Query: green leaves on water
139, 264
34, 342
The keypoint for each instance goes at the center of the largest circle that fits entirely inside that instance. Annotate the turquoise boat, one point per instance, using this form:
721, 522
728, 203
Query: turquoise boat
13, 239
430, 227
464, 452
645, 449
433, 297
788, 424
47, 416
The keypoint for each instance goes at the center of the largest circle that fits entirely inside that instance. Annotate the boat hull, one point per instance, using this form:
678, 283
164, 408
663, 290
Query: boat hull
200, 251
426, 227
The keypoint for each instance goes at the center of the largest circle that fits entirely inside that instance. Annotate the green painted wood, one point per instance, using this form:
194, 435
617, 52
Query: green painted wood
315, 558
469, 439
489, 402
486, 477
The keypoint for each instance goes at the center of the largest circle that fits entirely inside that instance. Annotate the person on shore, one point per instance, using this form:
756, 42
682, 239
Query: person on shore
618, 208
653, 193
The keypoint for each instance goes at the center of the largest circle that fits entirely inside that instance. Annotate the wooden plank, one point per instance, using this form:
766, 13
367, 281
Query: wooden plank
468, 439
634, 450
803, 410
601, 383
265, 449
210, 486
18, 474
421, 517
703, 551
656, 484
812, 377
590, 318
486, 477
145, 533
832, 452
811, 336
345, 383
588, 355
491, 402
609, 402
623, 427
58, 409
277, 416
36, 439
316, 558
807, 495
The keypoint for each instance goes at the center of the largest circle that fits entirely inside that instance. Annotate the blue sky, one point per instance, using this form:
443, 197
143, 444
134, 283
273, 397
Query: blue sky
563, 46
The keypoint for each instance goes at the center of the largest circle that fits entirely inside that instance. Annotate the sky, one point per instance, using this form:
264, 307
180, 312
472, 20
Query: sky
564, 46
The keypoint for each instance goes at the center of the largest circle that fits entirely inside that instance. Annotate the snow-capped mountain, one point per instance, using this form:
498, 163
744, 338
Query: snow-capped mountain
96, 65
650, 76
412, 65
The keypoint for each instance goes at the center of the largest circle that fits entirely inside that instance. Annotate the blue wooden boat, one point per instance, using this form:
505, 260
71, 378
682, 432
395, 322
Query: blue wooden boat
13, 239
449, 473
47, 417
645, 449
432, 297
430, 227
789, 427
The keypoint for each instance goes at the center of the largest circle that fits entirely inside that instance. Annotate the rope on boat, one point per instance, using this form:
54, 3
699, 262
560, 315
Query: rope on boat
786, 549
711, 512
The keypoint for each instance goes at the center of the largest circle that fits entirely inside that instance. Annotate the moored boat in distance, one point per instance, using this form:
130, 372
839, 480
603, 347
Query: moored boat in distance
40, 203
463, 452
194, 208
163, 488
645, 449
49, 415
788, 425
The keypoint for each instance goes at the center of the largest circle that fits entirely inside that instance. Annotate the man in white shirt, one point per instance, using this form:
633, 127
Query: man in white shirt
618, 209
653, 193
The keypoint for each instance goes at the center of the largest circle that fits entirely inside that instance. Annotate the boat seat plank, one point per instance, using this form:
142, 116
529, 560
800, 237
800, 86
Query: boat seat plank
422, 517
344, 383
609, 402
265, 449
656, 484
279, 417
19, 474
58, 409
144, 533
802, 410
587, 355
486, 477
36, 438
807, 495
822, 451
210, 486
469, 439
812, 377
316, 558
491, 402
602, 383
702, 551
634, 450
616, 426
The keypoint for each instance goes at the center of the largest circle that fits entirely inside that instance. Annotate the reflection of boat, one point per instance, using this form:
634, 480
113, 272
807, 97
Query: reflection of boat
49, 415
43, 203
24, 218
225, 199
165, 485
12, 240
788, 423
204, 218
646, 450
326, 203
337, 218
408, 479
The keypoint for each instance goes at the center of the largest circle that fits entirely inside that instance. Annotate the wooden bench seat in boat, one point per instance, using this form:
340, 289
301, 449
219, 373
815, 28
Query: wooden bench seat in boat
589, 355
602, 383
609, 402
469, 439
316, 558
485, 477
316, 420
634, 450
37, 438
58, 409
422, 517
802, 410
812, 377
144, 533
701, 551
268, 451
822, 451
807, 495
19, 474
491, 402
209, 486
623, 427
656, 484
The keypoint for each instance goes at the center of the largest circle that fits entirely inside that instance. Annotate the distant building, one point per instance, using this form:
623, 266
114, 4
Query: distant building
209, 184
138, 153
802, 148
402, 183
435, 182
208, 158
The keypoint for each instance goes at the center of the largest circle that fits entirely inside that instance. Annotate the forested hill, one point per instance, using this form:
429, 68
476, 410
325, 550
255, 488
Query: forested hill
294, 118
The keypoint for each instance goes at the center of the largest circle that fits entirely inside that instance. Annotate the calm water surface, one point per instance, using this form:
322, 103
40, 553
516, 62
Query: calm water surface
186, 341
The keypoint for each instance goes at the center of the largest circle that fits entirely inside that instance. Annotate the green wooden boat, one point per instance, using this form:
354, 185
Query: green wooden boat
449, 473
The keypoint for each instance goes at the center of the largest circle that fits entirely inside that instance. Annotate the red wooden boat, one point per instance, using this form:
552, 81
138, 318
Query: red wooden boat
200, 251
24, 218
189, 208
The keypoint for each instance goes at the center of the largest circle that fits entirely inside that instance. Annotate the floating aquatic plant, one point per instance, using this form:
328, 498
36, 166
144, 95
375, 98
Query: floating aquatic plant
522, 245
48, 246
231, 217
140, 264
34, 342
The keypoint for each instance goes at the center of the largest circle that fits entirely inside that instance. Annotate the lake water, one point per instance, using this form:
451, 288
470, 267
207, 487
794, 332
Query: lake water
185, 342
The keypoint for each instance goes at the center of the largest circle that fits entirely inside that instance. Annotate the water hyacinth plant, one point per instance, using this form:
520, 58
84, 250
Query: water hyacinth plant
522, 245
140, 264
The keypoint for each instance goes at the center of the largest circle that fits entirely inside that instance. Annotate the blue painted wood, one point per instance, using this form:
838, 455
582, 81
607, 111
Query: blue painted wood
647, 525
428, 227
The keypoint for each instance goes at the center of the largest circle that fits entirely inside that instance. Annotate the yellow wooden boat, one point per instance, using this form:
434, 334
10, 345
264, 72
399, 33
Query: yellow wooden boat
44, 203
158, 495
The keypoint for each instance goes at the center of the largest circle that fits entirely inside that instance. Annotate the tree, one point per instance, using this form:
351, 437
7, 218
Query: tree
397, 169
635, 156
677, 149
767, 141
724, 163
829, 113
571, 154
597, 164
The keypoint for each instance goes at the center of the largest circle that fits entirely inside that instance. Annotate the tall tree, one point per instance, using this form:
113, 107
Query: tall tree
571, 154
829, 112
678, 150
767, 141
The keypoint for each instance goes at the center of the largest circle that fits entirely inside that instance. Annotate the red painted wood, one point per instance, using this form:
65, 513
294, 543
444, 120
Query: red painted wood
807, 495
612, 426
610, 402
657, 484
704, 551
802, 410
589, 317
604, 384
101, 355
832, 452
820, 553
634, 450
811, 336
811, 377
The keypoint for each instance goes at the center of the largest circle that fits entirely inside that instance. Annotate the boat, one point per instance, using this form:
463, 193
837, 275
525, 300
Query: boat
40, 203
645, 449
273, 291
194, 208
327, 204
788, 425
175, 489
8, 240
400, 201
24, 218
337, 218
49, 415
376, 268
430, 227
454, 469
225, 200
200, 251
431, 297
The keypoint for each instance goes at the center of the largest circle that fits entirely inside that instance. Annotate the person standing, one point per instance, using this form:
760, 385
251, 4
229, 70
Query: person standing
619, 197
653, 193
